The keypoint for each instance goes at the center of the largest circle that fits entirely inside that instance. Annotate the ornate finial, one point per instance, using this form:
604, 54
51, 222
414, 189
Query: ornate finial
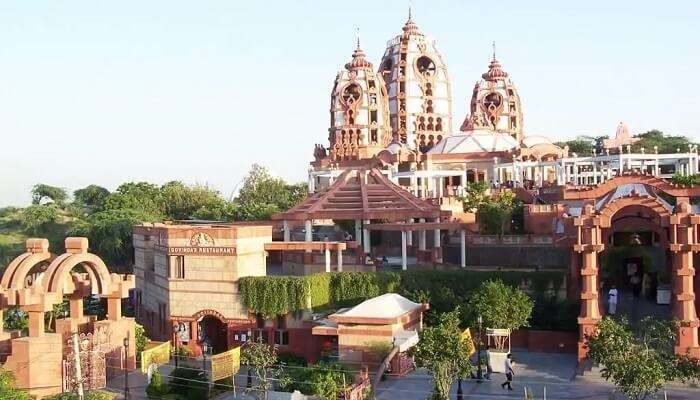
493, 49
410, 28
357, 32
409, 12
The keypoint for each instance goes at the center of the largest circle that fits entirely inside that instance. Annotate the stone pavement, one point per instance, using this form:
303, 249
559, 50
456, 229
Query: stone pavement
536, 371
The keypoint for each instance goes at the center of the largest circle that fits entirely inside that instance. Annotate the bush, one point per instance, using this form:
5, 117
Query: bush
89, 395
156, 388
189, 383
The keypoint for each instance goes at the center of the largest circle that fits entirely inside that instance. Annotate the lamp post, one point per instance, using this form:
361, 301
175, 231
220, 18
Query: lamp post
479, 372
126, 372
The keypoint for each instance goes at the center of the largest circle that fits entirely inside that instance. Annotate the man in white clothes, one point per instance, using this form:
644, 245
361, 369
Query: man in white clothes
612, 300
508, 364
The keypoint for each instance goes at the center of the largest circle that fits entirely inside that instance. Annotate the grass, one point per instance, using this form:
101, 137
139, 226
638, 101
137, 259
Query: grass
12, 236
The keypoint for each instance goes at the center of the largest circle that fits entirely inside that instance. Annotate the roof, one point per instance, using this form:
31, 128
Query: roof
386, 306
362, 194
476, 141
629, 189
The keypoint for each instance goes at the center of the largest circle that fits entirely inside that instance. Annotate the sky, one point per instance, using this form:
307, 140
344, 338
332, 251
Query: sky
105, 92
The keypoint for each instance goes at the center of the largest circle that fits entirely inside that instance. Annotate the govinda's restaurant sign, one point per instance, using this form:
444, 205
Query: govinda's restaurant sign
201, 243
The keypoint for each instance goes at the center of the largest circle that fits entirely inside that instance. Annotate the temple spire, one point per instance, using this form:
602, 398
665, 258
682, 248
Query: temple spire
410, 17
357, 33
493, 49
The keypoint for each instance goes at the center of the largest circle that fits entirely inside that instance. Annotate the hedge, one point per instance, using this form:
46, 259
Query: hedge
277, 295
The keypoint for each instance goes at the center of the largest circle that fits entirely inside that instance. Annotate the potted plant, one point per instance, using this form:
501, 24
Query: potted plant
502, 309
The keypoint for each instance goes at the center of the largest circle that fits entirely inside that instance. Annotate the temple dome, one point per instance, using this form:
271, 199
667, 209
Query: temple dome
359, 126
476, 141
418, 85
495, 103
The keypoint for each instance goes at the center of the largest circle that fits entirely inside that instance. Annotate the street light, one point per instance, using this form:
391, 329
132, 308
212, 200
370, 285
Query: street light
126, 372
479, 372
249, 379
177, 329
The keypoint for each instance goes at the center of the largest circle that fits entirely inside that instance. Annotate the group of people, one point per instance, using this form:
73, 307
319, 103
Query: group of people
507, 368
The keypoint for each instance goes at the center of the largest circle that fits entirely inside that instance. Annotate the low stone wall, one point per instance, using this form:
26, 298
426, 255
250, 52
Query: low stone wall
544, 341
510, 256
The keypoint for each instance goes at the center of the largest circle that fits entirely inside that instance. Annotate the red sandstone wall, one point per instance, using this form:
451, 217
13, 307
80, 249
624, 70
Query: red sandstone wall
545, 341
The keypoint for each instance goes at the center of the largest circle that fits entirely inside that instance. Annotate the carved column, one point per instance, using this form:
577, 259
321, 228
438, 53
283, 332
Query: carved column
589, 244
684, 241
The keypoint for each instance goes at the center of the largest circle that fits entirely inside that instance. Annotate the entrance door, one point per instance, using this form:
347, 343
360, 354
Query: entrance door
214, 333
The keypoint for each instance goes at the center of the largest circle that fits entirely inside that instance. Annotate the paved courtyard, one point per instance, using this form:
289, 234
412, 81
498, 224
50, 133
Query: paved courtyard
535, 371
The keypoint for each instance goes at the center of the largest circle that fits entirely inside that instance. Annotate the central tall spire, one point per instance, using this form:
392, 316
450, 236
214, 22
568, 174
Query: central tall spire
410, 28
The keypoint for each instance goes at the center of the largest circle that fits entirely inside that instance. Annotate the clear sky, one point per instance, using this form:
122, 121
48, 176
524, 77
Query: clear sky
110, 91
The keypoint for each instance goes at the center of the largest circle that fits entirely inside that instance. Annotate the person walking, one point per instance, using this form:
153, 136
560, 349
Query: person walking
612, 300
509, 372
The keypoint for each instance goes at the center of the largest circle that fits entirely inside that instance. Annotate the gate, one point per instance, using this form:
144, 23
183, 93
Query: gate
92, 348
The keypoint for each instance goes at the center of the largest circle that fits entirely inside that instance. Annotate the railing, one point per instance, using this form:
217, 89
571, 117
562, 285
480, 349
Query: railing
510, 240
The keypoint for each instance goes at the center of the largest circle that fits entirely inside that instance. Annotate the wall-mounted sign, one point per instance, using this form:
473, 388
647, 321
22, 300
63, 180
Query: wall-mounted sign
203, 251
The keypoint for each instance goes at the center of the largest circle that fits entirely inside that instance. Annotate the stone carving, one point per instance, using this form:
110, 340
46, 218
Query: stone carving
201, 239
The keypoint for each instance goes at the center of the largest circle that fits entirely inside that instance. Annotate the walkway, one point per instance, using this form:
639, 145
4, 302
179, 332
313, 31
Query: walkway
533, 370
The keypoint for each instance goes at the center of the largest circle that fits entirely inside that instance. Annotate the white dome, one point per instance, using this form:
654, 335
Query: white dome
476, 141
534, 140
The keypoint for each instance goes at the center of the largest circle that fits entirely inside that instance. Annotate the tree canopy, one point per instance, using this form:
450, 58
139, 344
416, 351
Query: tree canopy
500, 306
263, 195
42, 192
639, 362
442, 350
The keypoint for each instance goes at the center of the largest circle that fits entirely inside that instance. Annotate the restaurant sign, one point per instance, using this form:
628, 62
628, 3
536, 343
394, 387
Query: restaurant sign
202, 251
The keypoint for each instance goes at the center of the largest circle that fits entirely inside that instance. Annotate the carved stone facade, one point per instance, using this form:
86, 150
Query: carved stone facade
359, 127
495, 104
420, 95
682, 226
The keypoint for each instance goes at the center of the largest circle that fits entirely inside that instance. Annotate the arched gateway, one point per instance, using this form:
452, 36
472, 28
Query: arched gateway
678, 224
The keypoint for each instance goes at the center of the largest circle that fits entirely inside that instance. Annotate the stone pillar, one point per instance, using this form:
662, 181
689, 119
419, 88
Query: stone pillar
366, 245
358, 231
403, 251
409, 234
436, 240
76, 307
683, 242
308, 232
114, 308
328, 259
311, 182
421, 236
340, 260
36, 322
287, 233
462, 248
589, 244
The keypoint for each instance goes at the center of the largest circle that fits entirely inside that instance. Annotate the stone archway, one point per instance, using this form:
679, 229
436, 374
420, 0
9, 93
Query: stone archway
683, 229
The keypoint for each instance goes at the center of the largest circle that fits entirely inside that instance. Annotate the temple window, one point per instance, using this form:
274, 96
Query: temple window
373, 134
513, 122
259, 334
370, 83
429, 107
428, 89
177, 267
373, 116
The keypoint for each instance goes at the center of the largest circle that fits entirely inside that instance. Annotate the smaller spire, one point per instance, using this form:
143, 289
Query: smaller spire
410, 27
493, 48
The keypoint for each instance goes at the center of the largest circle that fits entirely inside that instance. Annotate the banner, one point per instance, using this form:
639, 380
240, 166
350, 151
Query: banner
467, 338
157, 353
226, 364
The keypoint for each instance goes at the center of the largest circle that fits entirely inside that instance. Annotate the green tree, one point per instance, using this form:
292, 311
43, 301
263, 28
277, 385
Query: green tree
142, 197
260, 357
584, 145
16, 319
664, 144
8, 388
220, 211
443, 352
500, 306
181, 201
495, 214
92, 197
262, 194
476, 195
639, 362
110, 233
38, 217
41, 192
685, 180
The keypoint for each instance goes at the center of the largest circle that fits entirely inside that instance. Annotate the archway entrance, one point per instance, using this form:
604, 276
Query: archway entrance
678, 232
214, 333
